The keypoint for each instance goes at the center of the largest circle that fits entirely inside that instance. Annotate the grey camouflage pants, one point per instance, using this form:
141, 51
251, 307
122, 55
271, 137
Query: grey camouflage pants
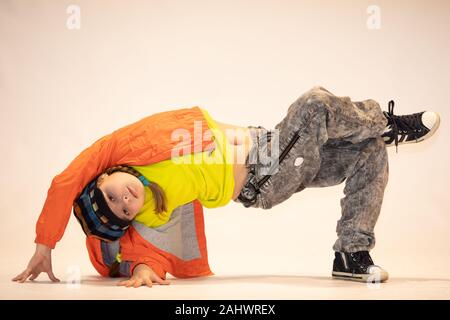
339, 140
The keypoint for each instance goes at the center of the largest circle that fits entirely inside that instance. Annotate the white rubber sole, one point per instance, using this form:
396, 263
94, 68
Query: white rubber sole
382, 276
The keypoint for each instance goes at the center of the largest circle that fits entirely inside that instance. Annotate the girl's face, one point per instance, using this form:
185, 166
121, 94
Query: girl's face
123, 192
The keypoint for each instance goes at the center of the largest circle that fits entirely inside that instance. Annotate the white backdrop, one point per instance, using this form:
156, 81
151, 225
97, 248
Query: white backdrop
246, 62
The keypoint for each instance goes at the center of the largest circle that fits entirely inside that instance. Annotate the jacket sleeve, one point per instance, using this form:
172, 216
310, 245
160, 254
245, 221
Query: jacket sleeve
135, 250
137, 246
102, 255
66, 186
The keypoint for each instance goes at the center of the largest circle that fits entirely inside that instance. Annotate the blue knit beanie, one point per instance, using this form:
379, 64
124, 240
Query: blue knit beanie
93, 213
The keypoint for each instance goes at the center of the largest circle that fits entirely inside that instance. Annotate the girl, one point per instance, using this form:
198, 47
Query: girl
134, 187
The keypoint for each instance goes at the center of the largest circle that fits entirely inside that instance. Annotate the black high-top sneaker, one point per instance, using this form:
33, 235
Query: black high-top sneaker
409, 128
357, 266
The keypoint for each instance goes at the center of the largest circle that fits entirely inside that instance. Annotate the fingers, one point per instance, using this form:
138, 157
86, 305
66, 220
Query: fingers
137, 283
19, 276
148, 283
126, 283
27, 273
123, 283
129, 283
34, 276
23, 276
52, 276
161, 281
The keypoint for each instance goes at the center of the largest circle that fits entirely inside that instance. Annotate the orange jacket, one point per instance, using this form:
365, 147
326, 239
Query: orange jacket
141, 143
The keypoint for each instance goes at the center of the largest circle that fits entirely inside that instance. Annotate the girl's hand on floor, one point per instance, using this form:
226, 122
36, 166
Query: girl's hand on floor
41, 261
143, 275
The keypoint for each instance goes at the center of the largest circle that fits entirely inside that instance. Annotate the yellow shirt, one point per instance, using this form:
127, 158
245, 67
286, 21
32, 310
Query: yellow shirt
206, 176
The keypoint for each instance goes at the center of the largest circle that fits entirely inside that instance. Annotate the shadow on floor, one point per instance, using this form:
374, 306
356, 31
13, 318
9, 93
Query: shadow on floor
293, 280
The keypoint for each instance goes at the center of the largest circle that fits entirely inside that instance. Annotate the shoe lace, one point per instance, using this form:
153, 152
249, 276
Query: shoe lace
362, 258
406, 124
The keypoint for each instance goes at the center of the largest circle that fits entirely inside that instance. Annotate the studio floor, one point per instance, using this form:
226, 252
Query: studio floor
230, 286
